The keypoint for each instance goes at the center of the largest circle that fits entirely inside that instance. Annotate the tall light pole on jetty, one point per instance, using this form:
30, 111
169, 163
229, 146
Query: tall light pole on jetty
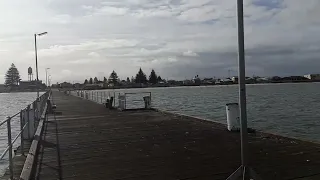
47, 76
49, 81
244, 170
36, 54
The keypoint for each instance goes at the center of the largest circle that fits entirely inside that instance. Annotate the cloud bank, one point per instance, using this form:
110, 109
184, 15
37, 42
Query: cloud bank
178, 38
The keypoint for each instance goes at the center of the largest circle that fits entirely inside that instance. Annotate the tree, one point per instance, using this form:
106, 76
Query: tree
105, 79
86, 81
113, 78
12, 77
128, 80
95, 80
159, 78
141, 77
91, 81
153, 77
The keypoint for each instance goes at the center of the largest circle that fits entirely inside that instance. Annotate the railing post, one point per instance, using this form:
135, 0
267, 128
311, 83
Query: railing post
114, 98
150, 99
28, 121
10, 147
21, 129
125, 101
35, 113
101, 96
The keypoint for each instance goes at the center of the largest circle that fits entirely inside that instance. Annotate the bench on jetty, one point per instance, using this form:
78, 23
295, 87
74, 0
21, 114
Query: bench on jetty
84, 140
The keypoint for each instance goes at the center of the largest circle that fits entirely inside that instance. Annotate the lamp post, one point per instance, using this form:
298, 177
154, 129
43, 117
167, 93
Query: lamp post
47, 76
49, 81
244, 171
36, 54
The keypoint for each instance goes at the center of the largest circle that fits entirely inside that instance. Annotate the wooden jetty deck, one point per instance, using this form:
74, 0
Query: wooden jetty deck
83, 140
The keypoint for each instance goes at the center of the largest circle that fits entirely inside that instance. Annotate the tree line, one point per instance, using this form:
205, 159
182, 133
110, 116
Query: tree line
140, 78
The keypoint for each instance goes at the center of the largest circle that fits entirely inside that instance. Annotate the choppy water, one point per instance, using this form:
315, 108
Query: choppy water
286, 109
10, 104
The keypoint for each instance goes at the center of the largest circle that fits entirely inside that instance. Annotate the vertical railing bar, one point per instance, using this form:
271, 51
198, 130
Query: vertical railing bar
35, 115
125, 101
28, 120
10, 147
114, 98
21, 136
150, 99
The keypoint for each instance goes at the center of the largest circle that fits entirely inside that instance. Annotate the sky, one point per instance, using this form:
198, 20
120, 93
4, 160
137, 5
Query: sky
177, 38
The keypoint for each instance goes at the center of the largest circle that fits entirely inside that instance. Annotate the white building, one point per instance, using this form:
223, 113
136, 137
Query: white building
313, 76
234, 79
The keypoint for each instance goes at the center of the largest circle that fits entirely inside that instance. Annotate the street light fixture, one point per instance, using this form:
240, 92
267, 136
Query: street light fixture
36, 54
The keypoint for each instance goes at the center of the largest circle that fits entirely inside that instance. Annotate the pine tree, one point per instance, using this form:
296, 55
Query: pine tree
159, 78
86, 81
128, 80
95, 80
105, 79
141, 77
113, 78
153, 77
12, 77
91, 81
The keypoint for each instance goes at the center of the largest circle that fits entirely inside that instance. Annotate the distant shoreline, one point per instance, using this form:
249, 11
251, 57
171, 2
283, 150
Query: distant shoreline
193, 85
19, 91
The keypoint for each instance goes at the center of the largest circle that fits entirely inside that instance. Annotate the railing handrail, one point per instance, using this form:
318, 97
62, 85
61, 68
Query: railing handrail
6, 119
139, 93
99, 96
23, 125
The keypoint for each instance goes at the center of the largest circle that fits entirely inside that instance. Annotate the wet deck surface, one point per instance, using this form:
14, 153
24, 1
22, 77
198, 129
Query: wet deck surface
87, 141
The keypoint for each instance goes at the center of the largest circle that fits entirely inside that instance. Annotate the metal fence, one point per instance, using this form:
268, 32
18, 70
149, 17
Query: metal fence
137, 100
123, 101
29, 118
96, 96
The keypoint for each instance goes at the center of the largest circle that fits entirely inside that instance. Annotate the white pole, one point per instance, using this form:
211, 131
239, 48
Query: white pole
242, 86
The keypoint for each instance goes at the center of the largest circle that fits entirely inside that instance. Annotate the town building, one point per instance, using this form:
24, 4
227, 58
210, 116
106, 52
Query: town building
66, 85
31, 85
234, 79
314, 77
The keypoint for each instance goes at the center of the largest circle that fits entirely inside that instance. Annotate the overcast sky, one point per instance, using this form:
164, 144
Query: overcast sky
178, 38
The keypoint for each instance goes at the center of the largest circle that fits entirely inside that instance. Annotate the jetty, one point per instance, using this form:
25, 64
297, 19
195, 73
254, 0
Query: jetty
81, 139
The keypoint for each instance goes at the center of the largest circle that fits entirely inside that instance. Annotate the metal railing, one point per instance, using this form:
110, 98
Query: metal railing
134, 98
101, 97
29, 118
96, 96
